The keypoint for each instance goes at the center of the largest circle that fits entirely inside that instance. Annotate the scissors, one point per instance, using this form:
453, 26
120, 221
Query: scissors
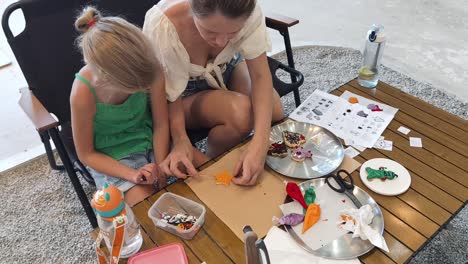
344, 186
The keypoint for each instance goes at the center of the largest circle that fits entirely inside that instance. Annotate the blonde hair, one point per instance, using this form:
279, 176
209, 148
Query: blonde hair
118, 49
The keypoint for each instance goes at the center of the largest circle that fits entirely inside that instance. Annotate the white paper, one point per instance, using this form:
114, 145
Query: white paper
360, 148
344, 119
351, 152
326, 229
415, 142
359, 225
404, 130
384, 144
282, 249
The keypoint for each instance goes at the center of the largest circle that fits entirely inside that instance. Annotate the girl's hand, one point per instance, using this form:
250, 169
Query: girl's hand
147, 174
179, 161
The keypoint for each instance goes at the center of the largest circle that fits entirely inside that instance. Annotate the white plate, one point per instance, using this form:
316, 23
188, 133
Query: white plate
393, 187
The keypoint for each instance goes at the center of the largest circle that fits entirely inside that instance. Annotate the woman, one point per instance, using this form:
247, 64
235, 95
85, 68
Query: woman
213, 53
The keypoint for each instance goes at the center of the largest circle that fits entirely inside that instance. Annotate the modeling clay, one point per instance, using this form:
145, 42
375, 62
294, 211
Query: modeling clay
300, 154
181, 220
223, 178
290, 219
374, 107
278, 149
309, 195
353, 100
361, 113
292, 189
381, 173
292, 139
311, 217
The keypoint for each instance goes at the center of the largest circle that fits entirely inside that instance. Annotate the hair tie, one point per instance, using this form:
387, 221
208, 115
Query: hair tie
91, 23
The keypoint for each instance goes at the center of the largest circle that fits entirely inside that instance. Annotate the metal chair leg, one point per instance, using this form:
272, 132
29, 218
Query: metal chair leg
289, 55
73, 177
50, 154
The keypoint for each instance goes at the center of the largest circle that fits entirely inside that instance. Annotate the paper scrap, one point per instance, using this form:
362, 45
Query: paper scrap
360, 148
404, 130
415, 142
384, 144
351, 152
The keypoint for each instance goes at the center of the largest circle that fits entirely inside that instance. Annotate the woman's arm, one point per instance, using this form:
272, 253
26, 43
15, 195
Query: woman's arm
83, 109
251, 164
160, 114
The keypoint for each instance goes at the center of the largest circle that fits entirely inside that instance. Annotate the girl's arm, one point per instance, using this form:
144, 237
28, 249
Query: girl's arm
182, 151
252, 161
83, 109
160, 114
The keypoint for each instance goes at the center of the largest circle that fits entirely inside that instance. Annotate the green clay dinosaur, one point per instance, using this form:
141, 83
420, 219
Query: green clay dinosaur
381, 173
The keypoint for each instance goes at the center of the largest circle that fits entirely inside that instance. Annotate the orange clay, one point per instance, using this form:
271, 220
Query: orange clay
311, 217
223, 178
353, 100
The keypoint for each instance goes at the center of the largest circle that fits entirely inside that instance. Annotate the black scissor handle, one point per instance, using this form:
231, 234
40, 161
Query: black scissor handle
347, 185
338, 181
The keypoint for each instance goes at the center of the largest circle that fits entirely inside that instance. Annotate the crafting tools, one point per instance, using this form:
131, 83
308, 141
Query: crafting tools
338, 183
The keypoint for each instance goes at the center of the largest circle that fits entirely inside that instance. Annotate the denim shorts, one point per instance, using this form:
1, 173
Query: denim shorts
195, 86
134, 161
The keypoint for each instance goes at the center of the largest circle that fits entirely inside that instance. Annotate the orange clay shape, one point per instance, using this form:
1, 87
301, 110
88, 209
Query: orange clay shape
353, 100
311, 217
223, 178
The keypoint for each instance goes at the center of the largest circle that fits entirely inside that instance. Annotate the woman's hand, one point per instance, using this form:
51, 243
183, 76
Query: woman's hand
250, 165
179, 162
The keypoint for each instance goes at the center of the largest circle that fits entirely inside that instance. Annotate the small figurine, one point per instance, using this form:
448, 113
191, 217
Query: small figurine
278, 149
300, 154
292, 139
381, 173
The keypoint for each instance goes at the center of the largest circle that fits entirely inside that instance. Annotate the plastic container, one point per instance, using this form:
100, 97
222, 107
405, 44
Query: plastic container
172, 253
174, 204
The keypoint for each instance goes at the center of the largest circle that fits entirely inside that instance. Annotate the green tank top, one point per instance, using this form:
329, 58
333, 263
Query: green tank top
124, 129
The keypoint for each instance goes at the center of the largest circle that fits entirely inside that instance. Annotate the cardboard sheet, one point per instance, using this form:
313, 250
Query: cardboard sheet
238, 206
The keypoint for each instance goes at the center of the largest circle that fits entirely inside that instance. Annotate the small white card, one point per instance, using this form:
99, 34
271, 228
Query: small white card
415, 142
351, 152
404, 130
384, 144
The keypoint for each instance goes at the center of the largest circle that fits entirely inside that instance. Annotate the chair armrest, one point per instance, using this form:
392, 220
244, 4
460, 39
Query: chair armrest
279, 22
36, 112
280, 86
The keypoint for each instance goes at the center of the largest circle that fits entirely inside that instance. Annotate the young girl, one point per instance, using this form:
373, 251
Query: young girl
213, 53
111, 101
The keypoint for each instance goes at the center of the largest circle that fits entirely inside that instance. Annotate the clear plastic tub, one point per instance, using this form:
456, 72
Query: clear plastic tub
174, 204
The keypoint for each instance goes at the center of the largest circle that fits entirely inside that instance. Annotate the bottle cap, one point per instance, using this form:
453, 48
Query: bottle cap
108, 202
376, 34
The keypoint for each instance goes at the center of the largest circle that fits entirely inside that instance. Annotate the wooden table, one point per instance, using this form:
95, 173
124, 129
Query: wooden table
438, 188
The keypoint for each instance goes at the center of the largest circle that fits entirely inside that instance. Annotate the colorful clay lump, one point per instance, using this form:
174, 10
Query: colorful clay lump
374, 108
312, 216
182, 221
381, 173
353, 100
278, 149
292, 189
223, 178
292, 219
300, 154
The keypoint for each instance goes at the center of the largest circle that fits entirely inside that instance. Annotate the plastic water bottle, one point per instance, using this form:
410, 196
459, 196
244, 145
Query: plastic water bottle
373, 50
117, 224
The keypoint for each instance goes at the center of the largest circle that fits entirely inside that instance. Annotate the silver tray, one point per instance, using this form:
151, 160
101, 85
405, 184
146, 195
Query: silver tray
326, 148
344, 247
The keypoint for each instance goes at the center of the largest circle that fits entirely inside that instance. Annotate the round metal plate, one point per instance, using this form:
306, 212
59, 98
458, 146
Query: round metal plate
346, 247
326, 148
